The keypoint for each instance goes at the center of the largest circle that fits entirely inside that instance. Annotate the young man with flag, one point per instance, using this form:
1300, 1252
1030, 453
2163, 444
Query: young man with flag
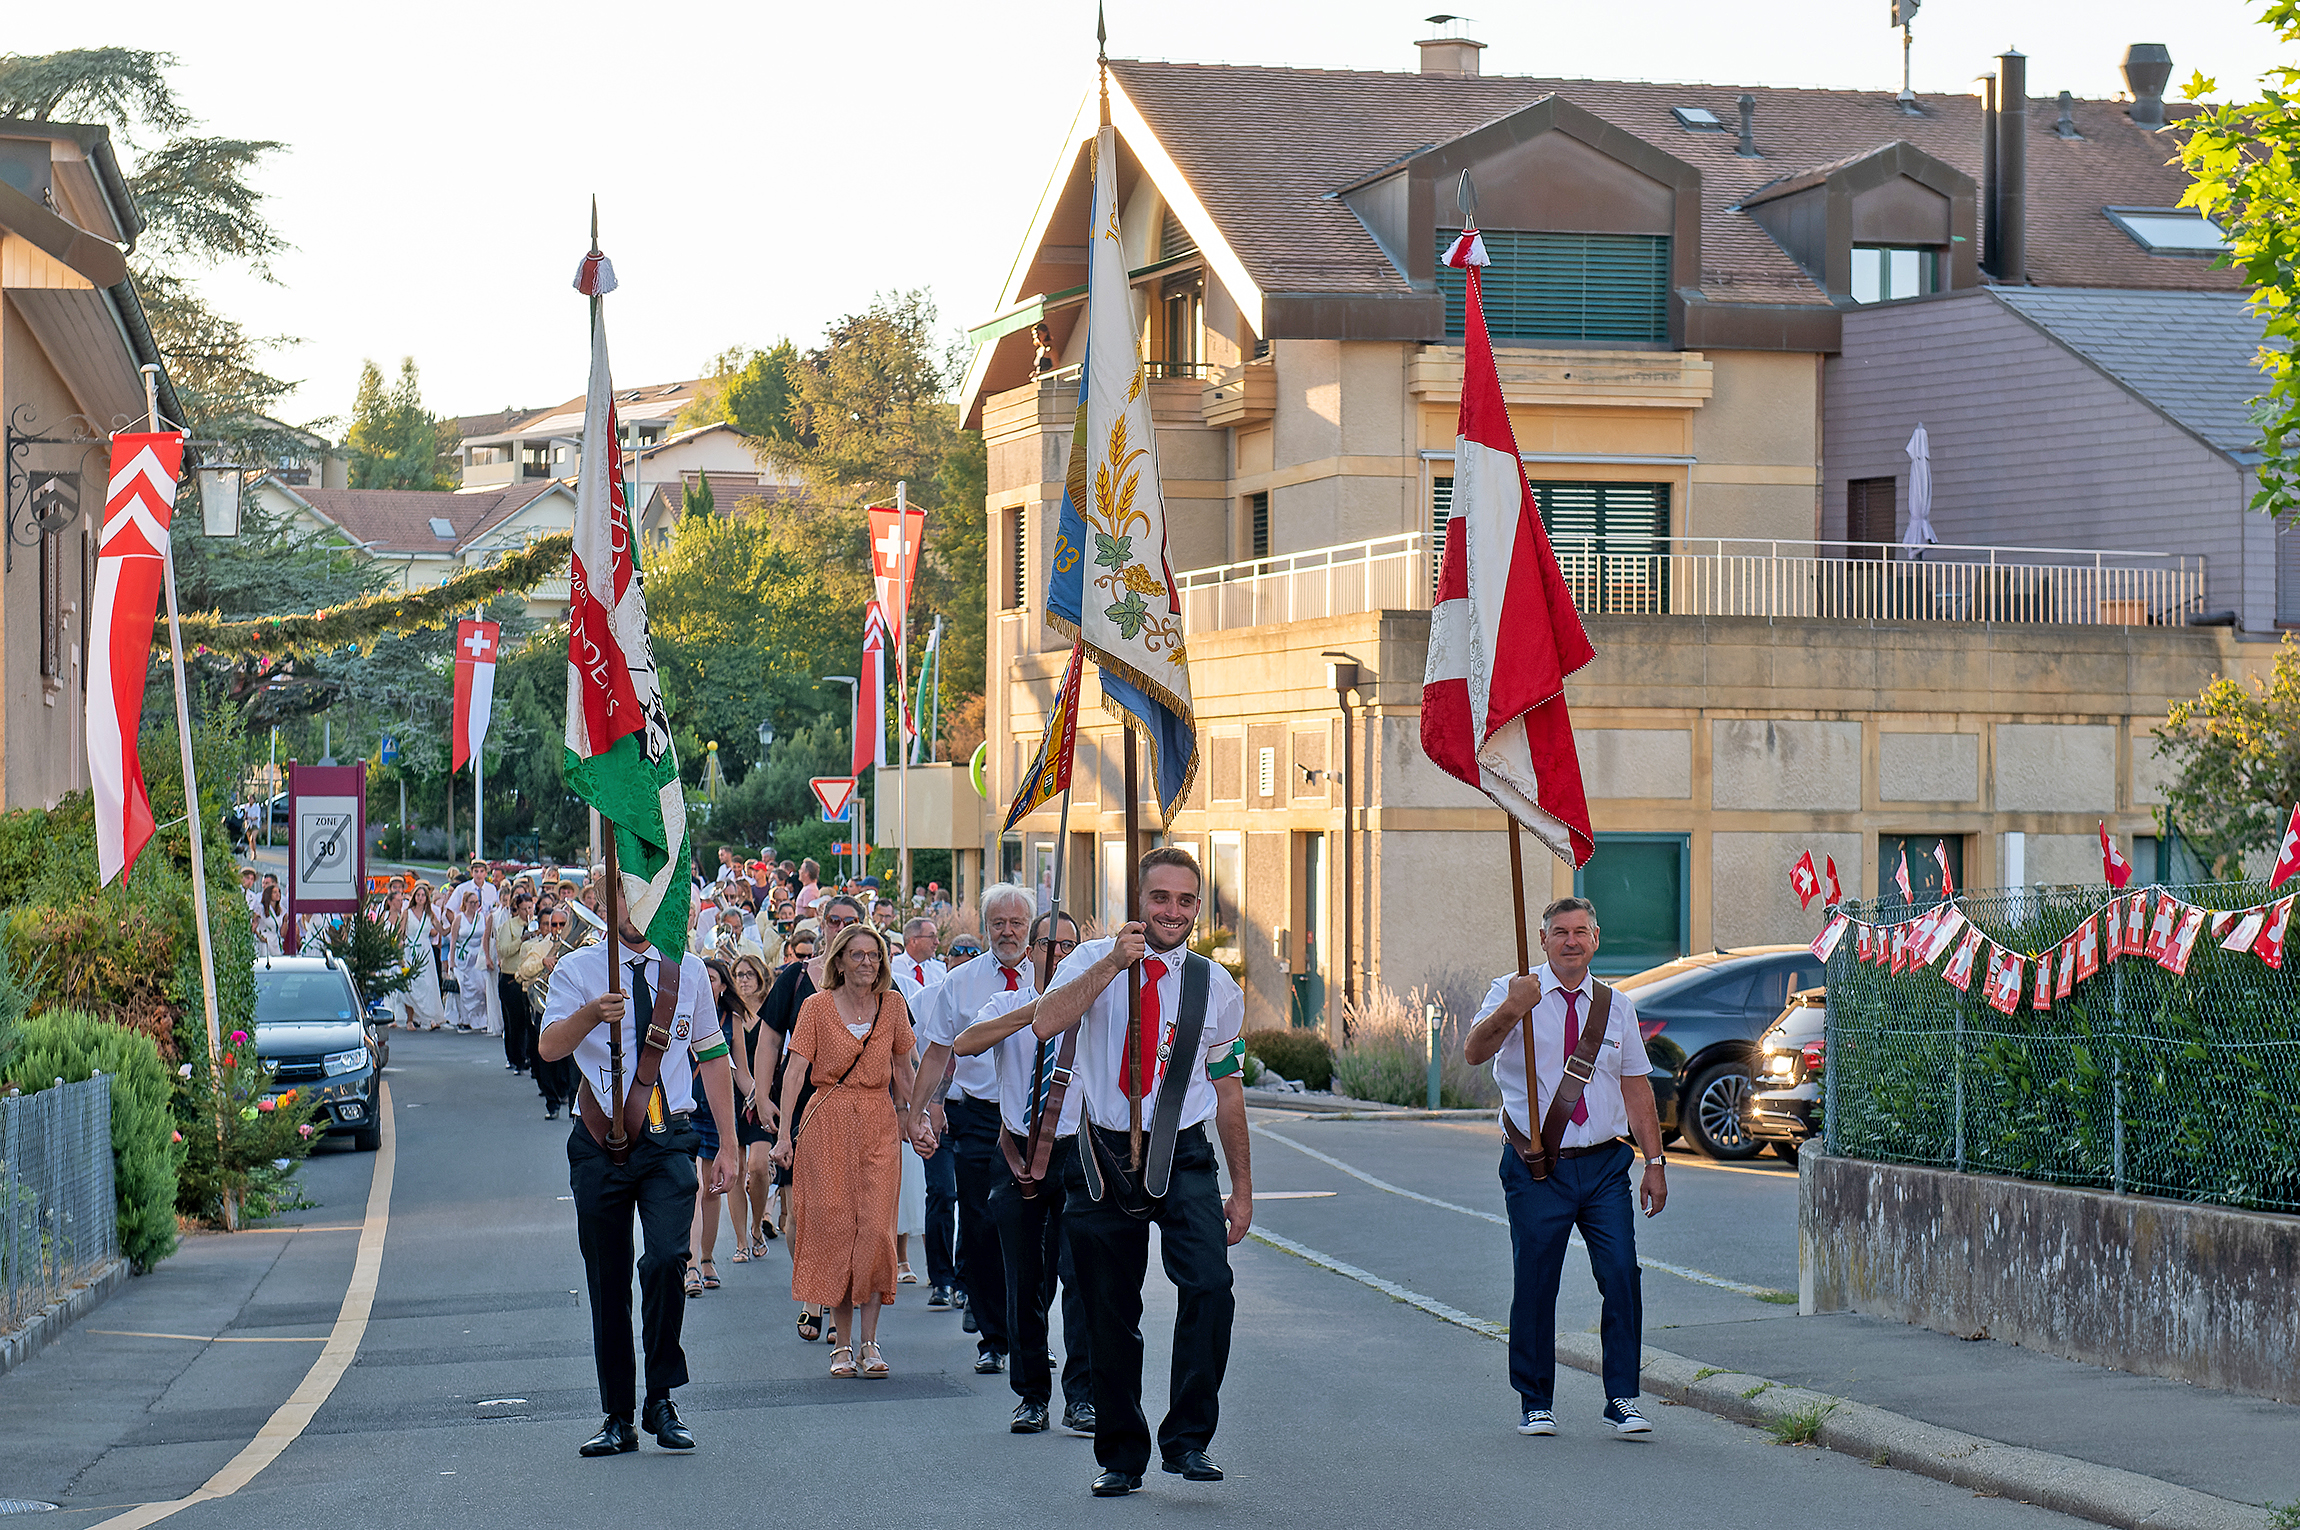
633, 1148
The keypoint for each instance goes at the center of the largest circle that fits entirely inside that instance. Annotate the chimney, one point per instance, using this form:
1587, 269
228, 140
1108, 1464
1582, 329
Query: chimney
2012, 168
1449, 52
1748, 149
1989, 173
2066, 126
2146, 67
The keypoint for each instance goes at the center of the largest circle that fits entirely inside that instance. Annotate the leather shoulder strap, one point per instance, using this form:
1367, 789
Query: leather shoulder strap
1541, 1156
1181, 1061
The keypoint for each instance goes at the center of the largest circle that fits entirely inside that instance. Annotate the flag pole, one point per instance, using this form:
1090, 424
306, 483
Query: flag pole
1134, 1058
902, 555
151, 373
1517, 893
603, 834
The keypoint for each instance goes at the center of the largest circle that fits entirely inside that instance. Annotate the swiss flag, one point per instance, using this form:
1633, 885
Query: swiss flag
2287, 853
1836, 893
475, 646
2113, 865
1804, 880
1901, 877
2270, 946
1948, 883
2005, 969
895, 536
1504, 633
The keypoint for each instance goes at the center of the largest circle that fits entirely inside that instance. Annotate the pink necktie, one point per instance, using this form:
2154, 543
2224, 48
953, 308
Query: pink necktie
1573, 1044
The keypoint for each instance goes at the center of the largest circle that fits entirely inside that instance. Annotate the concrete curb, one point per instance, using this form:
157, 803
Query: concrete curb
2105, 1494
49, 1326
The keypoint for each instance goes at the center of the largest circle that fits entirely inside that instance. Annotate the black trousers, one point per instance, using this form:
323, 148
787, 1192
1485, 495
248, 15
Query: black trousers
942, 1216
658, 1182
519, 1028
981, 1169
1111, 1252
1032, 1243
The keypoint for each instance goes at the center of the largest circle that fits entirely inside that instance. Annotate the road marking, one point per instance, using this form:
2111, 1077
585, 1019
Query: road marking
1683, 1272
201, 1338
1784, 1175
1390, 1288
1295, 1195
291, 1418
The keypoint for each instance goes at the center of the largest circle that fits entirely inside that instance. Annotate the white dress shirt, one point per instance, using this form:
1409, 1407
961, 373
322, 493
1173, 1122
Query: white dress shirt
943, 1009
1621, 1056
1016, 1059
1098, 1071
581, 976
925, 974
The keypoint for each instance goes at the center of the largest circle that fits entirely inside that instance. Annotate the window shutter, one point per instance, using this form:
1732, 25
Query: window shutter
1441, 512
1612, 542
1565, 286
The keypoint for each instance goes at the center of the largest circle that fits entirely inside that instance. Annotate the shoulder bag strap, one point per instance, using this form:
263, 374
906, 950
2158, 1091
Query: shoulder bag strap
1050, 1114
1542, 1156
654, 1041
1181, 1059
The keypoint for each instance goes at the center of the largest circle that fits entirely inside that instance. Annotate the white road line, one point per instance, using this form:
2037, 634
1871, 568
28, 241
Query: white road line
289, 1420
1390, 1288
1683, 1272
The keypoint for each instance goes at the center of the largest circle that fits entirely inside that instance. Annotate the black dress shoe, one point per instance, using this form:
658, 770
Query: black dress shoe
1115, 1484
1192, 1466
988, 1362
614, 1437
661, 1419
1029, 1418
968, 1323
939, 1297
550, 1112
1079, 1419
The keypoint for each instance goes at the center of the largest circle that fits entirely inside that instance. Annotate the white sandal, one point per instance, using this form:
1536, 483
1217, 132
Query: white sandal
873, 1365
842, 1362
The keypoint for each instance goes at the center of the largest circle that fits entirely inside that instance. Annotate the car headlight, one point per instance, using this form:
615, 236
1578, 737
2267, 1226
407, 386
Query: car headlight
344, 1062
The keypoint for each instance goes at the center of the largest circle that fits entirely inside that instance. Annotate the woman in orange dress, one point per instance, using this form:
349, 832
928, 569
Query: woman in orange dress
853, 1039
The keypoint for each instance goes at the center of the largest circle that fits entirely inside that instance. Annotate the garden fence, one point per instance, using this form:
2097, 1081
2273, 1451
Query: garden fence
58, 1227
2136, 1081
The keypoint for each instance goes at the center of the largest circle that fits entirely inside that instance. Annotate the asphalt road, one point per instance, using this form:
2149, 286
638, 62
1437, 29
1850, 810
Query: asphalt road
473, 1384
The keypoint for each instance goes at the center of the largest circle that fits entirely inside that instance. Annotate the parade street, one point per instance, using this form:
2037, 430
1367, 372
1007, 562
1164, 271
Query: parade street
471, 1384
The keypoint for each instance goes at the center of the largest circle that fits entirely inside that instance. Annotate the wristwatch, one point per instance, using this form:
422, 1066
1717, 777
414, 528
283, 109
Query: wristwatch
1657, 1163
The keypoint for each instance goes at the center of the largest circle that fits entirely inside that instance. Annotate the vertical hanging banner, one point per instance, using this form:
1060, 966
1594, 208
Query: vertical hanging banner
131, 552
1049, 774
475, 645
895, 539
870, 694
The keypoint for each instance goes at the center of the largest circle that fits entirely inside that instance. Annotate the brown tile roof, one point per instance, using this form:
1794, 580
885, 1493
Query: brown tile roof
399, 520
1263, 147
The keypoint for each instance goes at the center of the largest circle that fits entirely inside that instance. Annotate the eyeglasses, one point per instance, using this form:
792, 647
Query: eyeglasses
838, 921
1061, 947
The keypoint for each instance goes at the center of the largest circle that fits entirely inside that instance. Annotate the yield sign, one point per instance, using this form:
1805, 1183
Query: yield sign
834, 793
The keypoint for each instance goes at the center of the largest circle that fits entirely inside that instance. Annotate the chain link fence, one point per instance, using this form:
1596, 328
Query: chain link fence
2137, 1081
58, 1227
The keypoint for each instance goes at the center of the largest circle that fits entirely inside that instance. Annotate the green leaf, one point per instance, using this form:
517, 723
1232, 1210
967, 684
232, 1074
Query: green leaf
1113, 552
1130, 615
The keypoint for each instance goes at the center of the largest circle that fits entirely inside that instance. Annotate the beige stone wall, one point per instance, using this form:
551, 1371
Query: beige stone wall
1758, 445
1753, 904
1929, 767
1785, 763
1632, 763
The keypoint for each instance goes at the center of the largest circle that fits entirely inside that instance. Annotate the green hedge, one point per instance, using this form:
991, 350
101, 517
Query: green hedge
1302, 1056
69, 1045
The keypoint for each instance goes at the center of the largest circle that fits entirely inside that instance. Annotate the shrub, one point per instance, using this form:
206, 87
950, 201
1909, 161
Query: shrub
1299, 1055
69, 1045
260, 1134
369, 952
1386, 1058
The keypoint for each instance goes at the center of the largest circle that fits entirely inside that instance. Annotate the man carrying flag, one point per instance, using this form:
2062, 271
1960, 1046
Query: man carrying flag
633, 1147
1567, 1051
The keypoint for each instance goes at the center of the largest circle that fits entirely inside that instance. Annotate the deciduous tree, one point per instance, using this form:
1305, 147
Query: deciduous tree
2235, 751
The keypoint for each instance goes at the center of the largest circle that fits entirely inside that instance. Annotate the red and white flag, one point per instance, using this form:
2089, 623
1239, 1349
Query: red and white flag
475, 644
2043, 999
1825, 944
1901, 877
2087, 938
131, 563
895, 538
2269, 947
870, 694
2159, 943
2005, 969
2287, 853
1948, 883
1504, 633
2113, 865
2248, 927
1958, 974
2065, 983
1804, 880
2183, 943
2135, 937
1836, 893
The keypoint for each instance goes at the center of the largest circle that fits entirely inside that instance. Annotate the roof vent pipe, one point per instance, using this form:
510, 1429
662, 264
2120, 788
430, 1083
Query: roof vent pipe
2146, 68
1988, 83
1748, 149
2066, 126
2012, 167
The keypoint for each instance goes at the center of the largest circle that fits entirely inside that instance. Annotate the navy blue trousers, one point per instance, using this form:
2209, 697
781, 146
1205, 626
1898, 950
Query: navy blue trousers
942, 1217
1591, 1193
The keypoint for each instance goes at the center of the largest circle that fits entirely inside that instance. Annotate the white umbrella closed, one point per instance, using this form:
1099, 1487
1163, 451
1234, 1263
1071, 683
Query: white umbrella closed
1920, 534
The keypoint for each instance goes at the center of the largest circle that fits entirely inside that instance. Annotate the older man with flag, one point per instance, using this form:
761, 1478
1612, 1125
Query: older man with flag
1566, 1049
634, 1146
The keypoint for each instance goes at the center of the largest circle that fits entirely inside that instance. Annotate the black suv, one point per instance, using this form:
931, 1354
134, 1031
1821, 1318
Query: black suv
314, 1034
1712, 1007
1787, 1091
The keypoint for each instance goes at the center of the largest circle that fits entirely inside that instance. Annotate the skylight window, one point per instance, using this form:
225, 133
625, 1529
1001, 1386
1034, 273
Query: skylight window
1697, 119
2170, 230
443, 528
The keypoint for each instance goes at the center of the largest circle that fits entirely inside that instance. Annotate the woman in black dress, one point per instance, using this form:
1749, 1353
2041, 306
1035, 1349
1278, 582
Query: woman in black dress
757, 1050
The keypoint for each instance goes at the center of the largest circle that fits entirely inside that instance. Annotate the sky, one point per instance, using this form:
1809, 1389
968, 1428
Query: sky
763, 168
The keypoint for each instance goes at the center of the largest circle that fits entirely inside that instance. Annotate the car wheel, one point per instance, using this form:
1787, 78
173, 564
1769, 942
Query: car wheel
1786, 1151
368, 1138
1712, 1122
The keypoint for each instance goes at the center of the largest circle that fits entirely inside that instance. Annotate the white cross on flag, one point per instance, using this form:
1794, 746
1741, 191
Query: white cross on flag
475, 644
2287, 853
2114, 868
895, 537
1804, 880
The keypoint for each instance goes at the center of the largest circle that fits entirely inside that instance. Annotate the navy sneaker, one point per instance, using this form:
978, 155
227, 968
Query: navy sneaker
1537, 1421
1622, 1414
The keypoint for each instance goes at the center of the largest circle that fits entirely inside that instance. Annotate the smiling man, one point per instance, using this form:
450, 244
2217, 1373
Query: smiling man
1189, 1056
1566, 1164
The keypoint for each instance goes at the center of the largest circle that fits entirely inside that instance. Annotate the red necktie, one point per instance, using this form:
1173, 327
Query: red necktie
1145, 1065
1012, 982
919, 972
1573, 1044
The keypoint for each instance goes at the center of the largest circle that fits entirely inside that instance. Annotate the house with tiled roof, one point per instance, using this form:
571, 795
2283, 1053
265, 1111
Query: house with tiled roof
425, 536
1707, 303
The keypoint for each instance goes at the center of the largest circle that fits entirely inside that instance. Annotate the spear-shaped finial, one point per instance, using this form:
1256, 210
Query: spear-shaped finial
1465, 195
595, 220
595, 276
1102, 57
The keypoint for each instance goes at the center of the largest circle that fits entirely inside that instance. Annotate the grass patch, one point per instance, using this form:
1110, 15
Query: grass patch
1755, 1392
1800, 1426
1778, 1298
1881, 1458
1708, 1371
2284, 1516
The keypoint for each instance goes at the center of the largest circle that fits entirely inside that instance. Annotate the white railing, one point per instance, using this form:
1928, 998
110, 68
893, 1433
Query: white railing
1680, 576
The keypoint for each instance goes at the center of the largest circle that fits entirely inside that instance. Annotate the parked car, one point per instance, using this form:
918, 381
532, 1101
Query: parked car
1786, 1091
317, 1036
1711, 1008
